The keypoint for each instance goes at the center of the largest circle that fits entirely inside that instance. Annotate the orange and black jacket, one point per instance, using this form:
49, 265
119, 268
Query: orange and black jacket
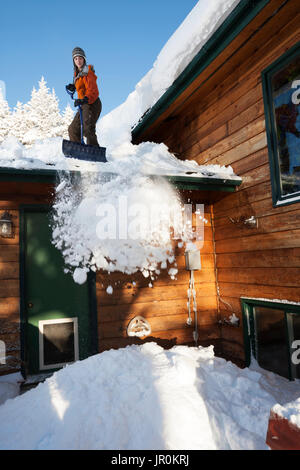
86, 85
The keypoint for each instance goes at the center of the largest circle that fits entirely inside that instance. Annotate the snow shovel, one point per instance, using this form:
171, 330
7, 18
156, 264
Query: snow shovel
81, 151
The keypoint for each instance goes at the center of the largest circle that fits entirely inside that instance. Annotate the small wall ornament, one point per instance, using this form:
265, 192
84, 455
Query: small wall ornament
139, 327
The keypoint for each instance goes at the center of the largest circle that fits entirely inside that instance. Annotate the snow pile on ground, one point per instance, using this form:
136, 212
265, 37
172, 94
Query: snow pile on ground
290, 411
9, 386
144, 397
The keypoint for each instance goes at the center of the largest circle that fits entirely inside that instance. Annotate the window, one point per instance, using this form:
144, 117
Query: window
281, 89
272, 335
58, 342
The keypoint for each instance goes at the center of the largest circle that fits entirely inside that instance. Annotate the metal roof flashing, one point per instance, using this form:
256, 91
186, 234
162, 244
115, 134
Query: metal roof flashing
183, 181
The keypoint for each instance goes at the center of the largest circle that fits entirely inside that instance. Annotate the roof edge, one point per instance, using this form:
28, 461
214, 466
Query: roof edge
236, 21
8, 174
30, 175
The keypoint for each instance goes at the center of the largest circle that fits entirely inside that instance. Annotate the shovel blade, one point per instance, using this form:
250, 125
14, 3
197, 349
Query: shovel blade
88, 153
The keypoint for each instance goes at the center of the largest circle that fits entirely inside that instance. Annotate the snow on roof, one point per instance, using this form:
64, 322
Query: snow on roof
181, 48
76, 218
282, 301
146, 158
114, 129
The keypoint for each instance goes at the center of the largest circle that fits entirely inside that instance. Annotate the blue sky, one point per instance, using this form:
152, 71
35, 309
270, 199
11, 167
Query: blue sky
121, 39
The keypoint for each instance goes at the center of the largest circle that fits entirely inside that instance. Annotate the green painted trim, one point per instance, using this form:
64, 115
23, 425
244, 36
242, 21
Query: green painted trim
23, 318
93, 312
246, 332
238, 19
181, 182
203, 187
277, 198
203, 184
34, 207
203, 180
31, 176
287, 339
248, 305
287, 307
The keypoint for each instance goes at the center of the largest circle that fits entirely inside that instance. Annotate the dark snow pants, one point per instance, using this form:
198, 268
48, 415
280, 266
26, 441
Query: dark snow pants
90, 115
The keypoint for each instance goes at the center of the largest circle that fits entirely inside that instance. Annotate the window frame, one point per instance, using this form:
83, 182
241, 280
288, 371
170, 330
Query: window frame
248, 304
277, 197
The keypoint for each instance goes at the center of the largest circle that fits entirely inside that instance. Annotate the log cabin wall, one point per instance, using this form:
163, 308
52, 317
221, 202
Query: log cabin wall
12, 194
164, 305
222, 122
9, 293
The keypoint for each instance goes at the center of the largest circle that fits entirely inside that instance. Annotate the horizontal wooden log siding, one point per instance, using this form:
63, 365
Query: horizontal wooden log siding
10, 295
223, 123
13, 194
164, 305
264, 261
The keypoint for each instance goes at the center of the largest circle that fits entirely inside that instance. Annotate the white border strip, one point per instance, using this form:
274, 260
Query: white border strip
278, 301
41, 341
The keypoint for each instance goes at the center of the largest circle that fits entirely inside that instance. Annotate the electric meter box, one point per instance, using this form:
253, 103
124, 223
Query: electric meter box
192, 260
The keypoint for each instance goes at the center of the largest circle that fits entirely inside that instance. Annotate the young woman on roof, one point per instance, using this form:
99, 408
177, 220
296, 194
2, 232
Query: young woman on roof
85, 83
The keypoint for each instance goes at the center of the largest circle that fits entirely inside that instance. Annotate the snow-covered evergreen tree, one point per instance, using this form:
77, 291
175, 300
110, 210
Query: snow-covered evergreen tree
43, 119
38, 119
5, 118
19, 122
68, 116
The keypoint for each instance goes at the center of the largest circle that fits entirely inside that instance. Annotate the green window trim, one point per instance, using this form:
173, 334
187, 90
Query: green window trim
278, 198
250, 345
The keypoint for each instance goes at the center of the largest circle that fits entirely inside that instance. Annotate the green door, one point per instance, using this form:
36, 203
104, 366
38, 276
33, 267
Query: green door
58, 324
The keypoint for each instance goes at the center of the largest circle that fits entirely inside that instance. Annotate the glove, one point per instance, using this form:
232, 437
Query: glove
78, 102
71, 87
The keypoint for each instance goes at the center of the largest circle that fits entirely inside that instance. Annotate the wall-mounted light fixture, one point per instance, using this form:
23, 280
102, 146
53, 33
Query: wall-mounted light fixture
6, 225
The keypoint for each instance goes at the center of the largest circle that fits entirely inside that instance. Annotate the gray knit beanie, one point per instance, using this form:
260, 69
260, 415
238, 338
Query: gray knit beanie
78, 51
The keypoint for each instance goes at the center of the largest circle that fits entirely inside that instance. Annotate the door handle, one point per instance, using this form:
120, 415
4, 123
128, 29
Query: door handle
30, 305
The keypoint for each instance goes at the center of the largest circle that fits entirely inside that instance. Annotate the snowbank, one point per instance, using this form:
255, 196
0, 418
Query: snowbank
9, 386
144, 397
290, 411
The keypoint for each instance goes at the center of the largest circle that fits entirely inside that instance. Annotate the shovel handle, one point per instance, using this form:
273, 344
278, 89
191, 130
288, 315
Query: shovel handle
81, 123
71, 93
